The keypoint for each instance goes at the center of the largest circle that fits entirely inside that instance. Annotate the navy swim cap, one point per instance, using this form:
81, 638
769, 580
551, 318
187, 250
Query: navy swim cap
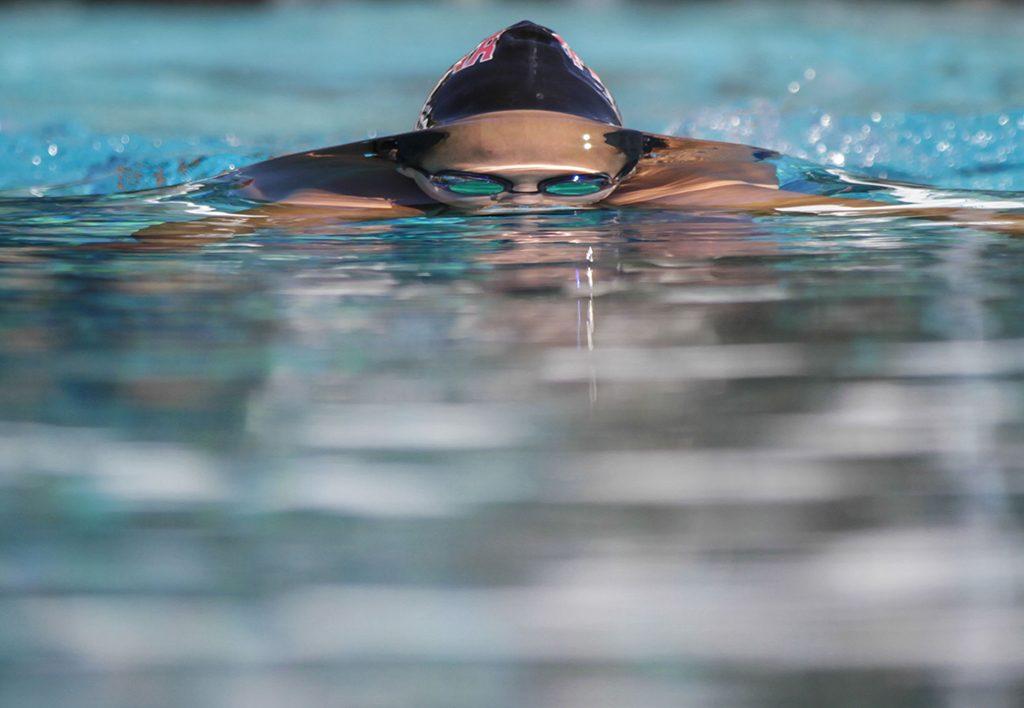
522, 67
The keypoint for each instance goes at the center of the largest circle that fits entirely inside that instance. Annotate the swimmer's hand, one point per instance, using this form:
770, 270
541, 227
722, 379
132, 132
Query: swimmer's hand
303, 213
196, 233
722, 192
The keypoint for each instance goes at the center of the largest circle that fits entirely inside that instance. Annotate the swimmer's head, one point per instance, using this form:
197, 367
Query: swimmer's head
519, 123
522, 67
513, 160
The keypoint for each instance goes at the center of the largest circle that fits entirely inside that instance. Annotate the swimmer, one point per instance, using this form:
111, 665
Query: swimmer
518, 124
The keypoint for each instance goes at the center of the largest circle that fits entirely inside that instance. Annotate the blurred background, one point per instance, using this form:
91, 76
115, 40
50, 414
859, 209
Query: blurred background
594, 459
152, 86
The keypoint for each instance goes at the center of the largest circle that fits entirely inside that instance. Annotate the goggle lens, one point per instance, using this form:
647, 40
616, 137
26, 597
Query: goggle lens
469, 185
575, 185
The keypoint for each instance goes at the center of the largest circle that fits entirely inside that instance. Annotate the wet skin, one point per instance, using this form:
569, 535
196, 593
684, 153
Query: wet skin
387, 179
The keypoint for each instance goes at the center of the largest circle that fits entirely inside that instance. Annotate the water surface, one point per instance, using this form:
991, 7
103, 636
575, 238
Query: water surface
604, 458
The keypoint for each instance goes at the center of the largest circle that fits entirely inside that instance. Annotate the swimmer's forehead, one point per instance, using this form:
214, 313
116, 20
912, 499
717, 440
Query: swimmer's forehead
522, 141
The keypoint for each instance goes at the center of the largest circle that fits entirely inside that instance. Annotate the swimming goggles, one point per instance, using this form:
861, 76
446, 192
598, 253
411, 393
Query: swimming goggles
472, 184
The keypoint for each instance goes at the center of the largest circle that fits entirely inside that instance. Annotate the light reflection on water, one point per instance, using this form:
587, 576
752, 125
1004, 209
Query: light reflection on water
560, 460
602, 459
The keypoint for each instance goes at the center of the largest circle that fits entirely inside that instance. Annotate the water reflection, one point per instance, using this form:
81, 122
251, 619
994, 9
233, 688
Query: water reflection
554, 460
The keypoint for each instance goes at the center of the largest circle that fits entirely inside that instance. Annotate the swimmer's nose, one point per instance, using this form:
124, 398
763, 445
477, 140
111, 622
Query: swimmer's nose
520, 197
526, 188
520, 189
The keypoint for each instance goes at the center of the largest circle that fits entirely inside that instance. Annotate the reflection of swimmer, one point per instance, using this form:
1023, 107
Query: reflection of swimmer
520, 123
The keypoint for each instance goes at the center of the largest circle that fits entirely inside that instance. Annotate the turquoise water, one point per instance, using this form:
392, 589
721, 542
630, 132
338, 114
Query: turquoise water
597, 459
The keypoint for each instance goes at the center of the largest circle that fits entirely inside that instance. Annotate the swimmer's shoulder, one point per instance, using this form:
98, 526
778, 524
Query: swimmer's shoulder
353, 174
673, 169
673, 149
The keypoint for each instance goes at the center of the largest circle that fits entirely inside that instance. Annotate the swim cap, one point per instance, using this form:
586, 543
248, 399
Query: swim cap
522, 67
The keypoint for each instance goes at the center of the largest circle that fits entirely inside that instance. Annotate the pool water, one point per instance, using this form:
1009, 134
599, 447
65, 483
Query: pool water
583, 459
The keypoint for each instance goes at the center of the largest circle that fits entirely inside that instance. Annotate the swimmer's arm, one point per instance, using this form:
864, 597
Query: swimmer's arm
700, 175
300, 213
738, 197
303, 192
773, 201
